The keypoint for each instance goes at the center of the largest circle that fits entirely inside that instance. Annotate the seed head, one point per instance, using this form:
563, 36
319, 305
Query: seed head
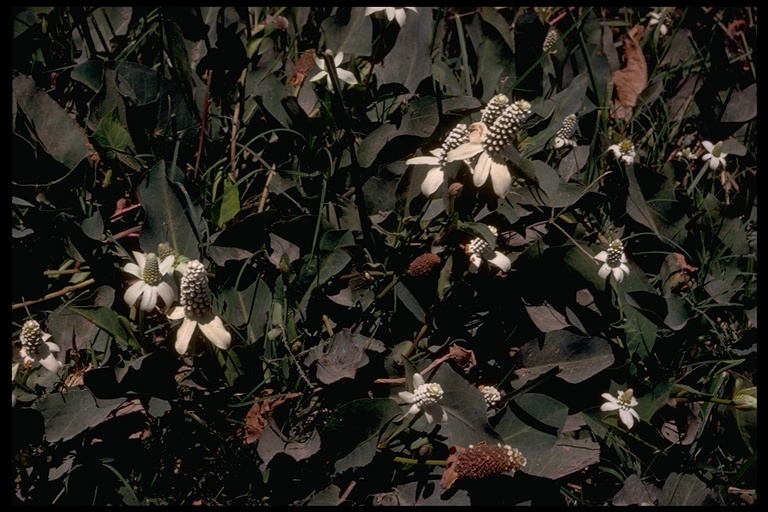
195, 294
480, 461
423, 265
455, 138
552, 36
31, 337
503, 129
494, 108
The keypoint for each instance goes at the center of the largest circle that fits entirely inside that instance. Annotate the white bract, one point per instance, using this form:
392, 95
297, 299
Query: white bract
435, 176
343, 74
196, 311
35, 347
392, 13
424, 398
614, 261
624, 401
625, 151
153, 281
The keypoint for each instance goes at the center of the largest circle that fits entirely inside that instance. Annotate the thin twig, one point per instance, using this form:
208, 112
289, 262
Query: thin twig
349, 489
53, 295
206, 107
328, 326
129, 231
265, 192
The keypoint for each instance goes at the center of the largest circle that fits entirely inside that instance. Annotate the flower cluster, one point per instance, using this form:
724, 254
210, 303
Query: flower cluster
425, 397
35, 347
624, 151
436, 175
480, 461
196, 311
663, 18
564, 136
478, 251
552, 36
487, 139
491, 394
624, 401
614, 261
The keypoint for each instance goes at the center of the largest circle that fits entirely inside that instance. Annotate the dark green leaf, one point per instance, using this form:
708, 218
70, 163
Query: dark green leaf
105, 318
227, 205
111, 134
351, 35
683, 490
93, 226
67, 415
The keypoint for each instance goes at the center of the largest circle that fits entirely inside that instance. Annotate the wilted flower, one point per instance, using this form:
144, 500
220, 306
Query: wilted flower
614, 261
478, 250
425, 398
36, 349
663, 16
196, 311
624, 403
153, 281
715, 154
564, 136
435, 175
491, 394
487, 139
343, 74
392, 13
625, 151
480, 461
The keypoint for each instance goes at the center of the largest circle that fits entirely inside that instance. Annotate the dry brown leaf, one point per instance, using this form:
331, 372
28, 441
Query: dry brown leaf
632, 79
258, 416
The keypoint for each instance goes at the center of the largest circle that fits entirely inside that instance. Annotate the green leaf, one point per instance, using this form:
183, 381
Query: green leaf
409, 62
93, 226
249, 305
67, 415
227, 205
348, 31
652, 202
52, 126
352, 431
683, 490
115, 325
578, 357
742, 106
111, 134
168, 220
410, 302
531, 424
567, 457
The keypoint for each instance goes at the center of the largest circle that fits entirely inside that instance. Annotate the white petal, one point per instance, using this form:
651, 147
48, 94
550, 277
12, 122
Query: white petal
609, 397
51, 363
609, 406
318, 76
346, 76
626, 418
52, 346
134, 292
432, 181
400, 17
707, 145
338, 58
176, 313
634, 413
602, 256
482, 169
500, 178
165, 292
184, 334
618, 275
372, 10
167, 264
412, 411
501, 260
624, 268
133, 269
141, 259
213, 329
422, 160
149, 298
418, 380
604, 271
406, 396
466, 150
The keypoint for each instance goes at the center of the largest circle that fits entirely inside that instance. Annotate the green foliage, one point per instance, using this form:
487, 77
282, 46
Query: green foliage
577, 249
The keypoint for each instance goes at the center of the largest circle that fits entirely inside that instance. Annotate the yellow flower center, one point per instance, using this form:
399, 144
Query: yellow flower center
626, 146
717, 150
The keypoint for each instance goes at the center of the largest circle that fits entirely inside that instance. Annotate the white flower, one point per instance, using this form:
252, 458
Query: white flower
614, 261
478, 251
715, 156
36, 349
424, 398
488, 140
153, 281
435, 176
393, 13
491, 394
196, 311
624, 403
662, 16
343, 74
624, 151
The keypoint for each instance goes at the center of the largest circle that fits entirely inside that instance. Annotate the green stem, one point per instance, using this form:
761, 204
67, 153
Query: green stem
426, 462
